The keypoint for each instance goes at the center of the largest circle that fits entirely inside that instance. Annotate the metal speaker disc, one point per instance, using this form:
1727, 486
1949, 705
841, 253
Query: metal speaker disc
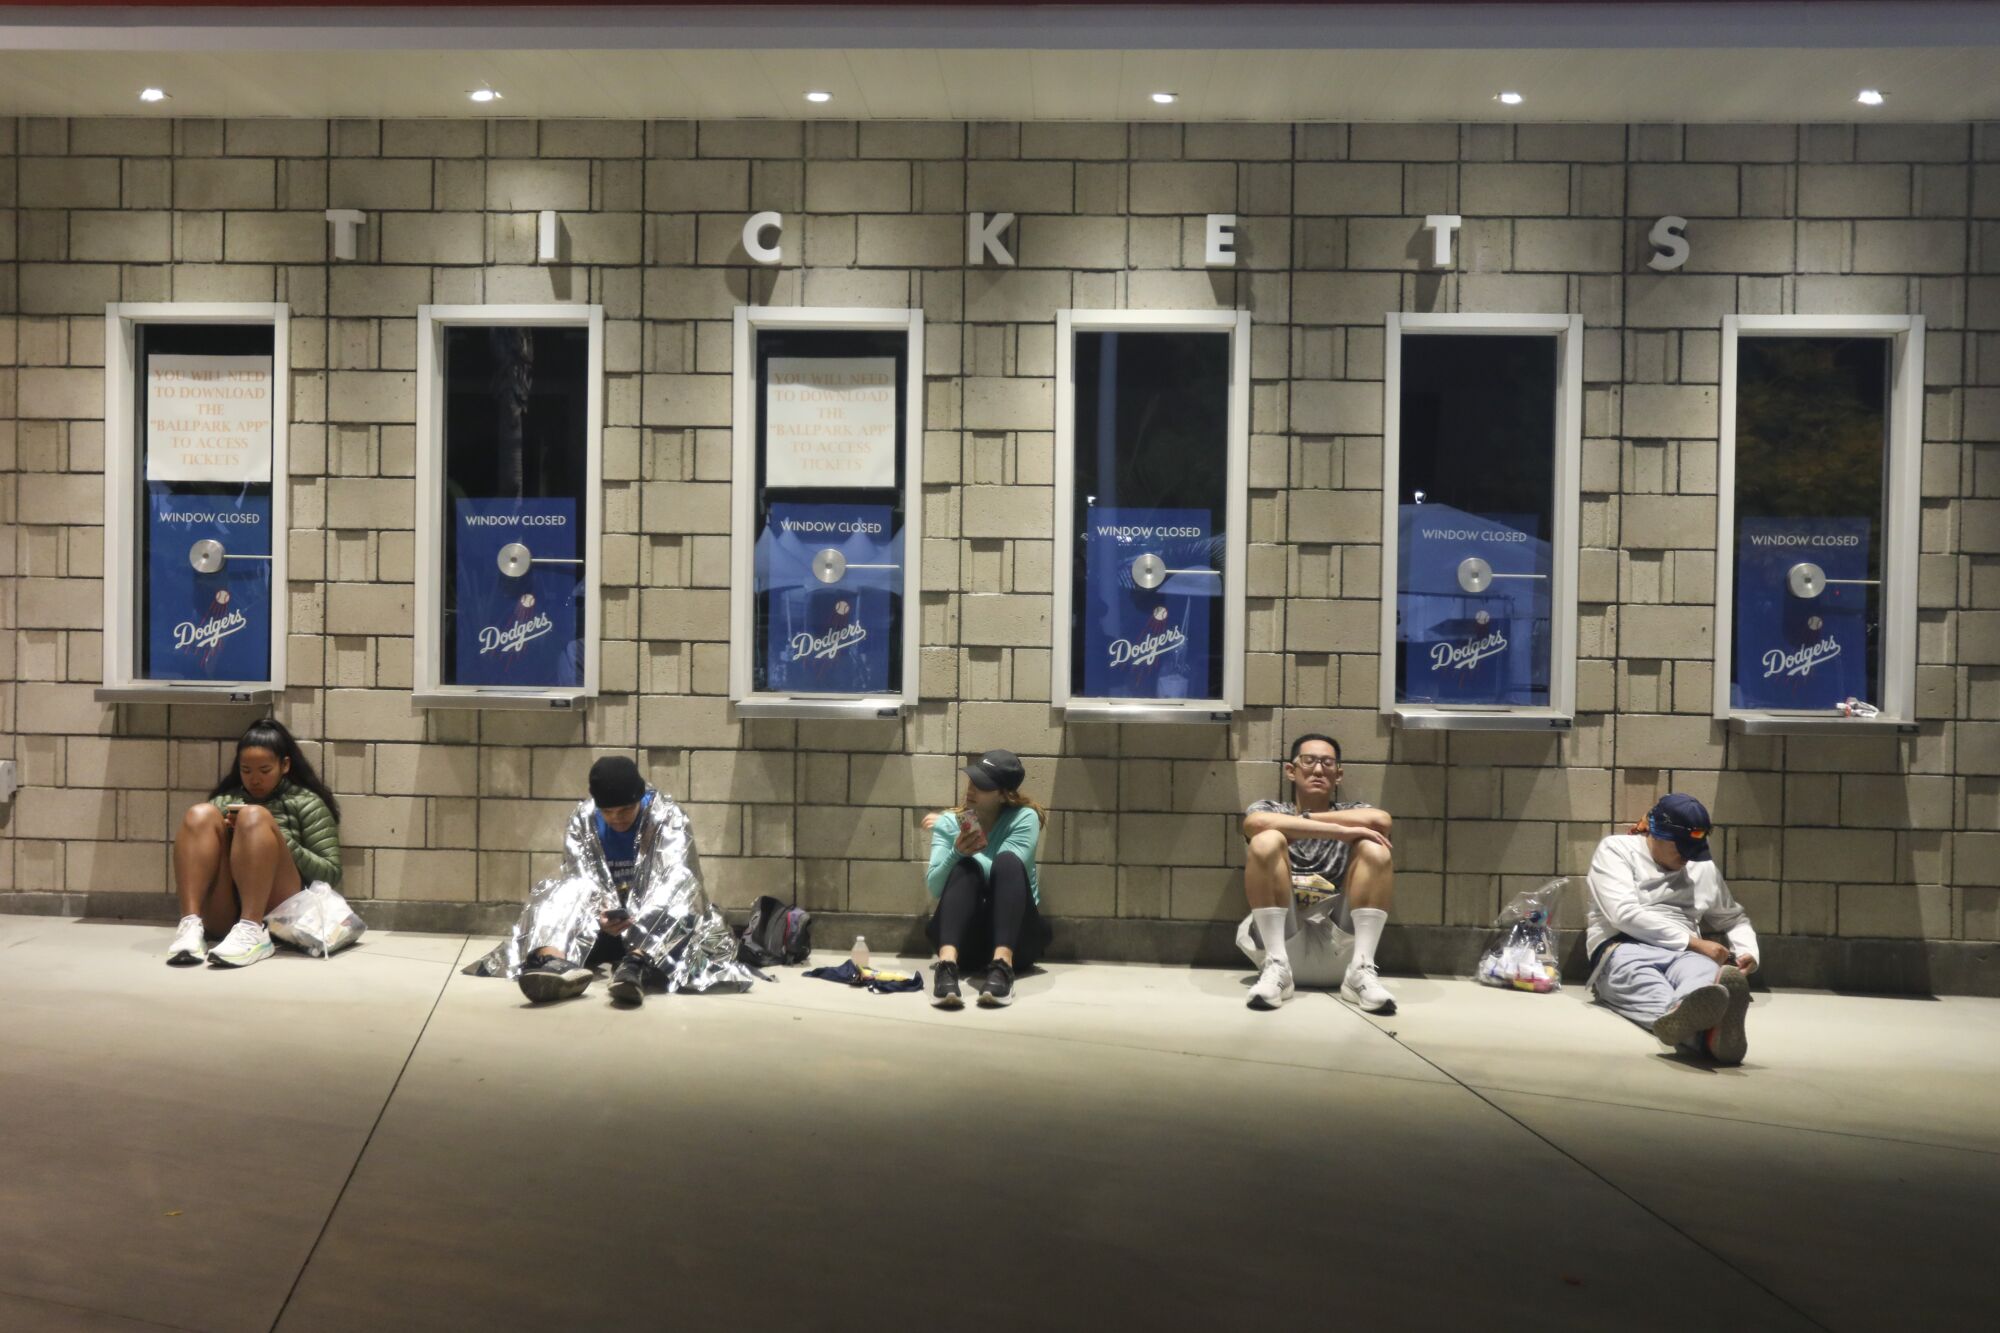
829, 566
207, 556
1806, 580
1149, 572
515, 560
1474, 574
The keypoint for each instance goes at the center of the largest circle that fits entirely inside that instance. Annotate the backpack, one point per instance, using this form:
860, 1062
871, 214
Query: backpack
776, 934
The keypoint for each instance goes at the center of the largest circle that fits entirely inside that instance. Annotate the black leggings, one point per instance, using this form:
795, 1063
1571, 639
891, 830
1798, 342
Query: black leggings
969, 892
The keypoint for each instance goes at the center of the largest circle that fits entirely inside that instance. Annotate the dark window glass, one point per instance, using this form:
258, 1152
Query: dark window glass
1476, 516
1812, 433
1147, 613
204, 600
832, 413
516, 420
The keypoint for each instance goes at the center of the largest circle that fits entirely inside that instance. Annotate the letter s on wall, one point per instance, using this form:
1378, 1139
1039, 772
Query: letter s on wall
1671, 245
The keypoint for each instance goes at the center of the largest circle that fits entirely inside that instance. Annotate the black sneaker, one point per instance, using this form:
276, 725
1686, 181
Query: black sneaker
546, 978
944, 987
999, 992
628, 980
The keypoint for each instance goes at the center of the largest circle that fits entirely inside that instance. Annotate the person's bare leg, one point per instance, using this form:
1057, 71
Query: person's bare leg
1371, 877
261, 863
1002, 953
948, 953
219, 912
1267, 871
200, 850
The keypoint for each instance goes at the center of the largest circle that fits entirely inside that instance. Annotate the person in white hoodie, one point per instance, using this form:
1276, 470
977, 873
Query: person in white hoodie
1653, 894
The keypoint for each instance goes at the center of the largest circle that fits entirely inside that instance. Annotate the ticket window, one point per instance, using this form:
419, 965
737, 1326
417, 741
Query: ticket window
828, 417
510, 423
1816, 592
1152, 446
195, 457
1481, 450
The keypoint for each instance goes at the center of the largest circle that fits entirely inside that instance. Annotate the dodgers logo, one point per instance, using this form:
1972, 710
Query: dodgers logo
524, 630
204, 637
1800, 662
826, 647
1475, 651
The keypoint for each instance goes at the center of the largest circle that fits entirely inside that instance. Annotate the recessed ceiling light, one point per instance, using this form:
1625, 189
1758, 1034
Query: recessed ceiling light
1509, 99
483, 95
152, 94
1166, 99
819, 97
1870, 97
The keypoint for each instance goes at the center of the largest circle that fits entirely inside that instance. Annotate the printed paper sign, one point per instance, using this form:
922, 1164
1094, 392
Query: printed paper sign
829, 637
1149, 643
518, 629
1464, 647
209, 627
830, 421
1801, 652
208, 418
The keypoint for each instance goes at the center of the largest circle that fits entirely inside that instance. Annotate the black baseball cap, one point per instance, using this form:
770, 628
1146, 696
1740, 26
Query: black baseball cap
1683, 821
996, 770
615, 781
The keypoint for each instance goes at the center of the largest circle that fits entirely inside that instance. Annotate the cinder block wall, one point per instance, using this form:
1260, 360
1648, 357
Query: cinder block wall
1832, 836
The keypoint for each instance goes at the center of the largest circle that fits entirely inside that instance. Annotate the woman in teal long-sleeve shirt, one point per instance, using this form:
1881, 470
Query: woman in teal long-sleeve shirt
982, 874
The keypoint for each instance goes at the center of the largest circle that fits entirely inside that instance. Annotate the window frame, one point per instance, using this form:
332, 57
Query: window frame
1901, 539
1559, 714
120, 682
747, 321
1236, 514
432, 320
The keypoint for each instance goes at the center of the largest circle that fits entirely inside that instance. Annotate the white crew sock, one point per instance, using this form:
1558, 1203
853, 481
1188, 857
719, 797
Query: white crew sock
1271, 932
1368, 923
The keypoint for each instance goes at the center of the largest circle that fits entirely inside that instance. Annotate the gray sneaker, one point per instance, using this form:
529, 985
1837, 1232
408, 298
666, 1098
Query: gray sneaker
1698, 1011
544, 979
628, 980
1726, 1041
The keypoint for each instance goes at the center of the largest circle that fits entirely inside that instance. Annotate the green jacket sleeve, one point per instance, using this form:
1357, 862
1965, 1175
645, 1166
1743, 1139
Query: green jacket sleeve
944, 834
1024, 831
317, 850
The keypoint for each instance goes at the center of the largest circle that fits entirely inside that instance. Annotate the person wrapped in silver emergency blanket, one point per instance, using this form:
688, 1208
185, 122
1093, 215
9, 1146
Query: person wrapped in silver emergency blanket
629, 896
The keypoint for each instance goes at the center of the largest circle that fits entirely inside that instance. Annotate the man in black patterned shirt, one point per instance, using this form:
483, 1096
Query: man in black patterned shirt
1346, 843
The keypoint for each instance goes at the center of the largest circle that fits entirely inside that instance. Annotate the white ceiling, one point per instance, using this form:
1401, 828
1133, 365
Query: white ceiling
1780, 61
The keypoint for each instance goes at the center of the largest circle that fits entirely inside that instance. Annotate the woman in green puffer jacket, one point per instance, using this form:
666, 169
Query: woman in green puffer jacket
268, 829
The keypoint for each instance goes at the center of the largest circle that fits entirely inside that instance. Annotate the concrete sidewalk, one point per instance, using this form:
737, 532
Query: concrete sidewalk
375, 1141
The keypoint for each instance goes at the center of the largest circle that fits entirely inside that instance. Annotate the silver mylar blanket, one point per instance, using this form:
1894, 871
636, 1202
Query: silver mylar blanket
674, 926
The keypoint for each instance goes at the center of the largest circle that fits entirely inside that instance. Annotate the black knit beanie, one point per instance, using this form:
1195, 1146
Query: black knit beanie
615, 781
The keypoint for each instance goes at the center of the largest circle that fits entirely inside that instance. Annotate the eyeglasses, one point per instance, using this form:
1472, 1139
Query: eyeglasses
1325, 761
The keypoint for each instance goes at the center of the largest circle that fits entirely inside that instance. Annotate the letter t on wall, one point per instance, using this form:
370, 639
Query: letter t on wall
1442, 227
346, 222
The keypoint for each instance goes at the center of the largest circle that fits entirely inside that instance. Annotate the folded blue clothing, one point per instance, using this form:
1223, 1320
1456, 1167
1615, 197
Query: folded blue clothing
881, 983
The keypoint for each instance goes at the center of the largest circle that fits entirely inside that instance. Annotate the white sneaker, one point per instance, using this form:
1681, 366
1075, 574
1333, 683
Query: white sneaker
1363, 988
190, 944
1274, 985
247, 942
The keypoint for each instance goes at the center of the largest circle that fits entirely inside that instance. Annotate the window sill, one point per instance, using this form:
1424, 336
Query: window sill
866, 709
1419, 718
519, 700
1207, 712
161, 692
1816, 724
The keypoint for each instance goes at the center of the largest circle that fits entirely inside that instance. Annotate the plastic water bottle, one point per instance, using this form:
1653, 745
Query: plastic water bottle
859, 956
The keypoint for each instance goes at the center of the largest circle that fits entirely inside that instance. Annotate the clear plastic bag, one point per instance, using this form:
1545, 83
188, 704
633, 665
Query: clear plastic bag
1520, 954
316, 920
